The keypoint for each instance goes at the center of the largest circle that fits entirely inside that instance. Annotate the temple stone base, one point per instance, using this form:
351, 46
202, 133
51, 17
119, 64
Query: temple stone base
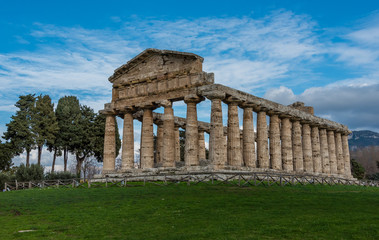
188, 170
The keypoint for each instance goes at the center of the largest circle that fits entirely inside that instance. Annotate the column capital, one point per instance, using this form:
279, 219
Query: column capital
193, 98
165, 103
232, 100
215, 94
246, 105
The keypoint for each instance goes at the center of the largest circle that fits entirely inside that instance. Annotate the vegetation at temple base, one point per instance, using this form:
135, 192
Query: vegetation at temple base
357, 169
192, 212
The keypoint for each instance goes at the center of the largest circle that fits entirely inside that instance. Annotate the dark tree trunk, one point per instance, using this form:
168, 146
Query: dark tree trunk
39, 154
27, 157
54, 157
79, 162
65, 159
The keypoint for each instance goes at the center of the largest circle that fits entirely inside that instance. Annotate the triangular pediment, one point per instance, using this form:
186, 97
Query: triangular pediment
153, 63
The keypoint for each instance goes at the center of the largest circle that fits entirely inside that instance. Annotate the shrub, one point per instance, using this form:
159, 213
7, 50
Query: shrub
5, 177
59, 175
357, 169
34, 172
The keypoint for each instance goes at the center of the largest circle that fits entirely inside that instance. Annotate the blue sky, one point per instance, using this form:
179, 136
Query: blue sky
324, 53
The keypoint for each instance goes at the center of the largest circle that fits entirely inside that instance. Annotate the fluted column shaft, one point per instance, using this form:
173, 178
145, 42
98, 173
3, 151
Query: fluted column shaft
109, 144
324, 151
128, 142
346, 154
159, 144
147, 139
317, 168
339, 154
191, 155
262, 140
248, 138
275, 147
168, 153
177, 144
202, 154
297, 147
332, 152
217, 153
234, 157
286, 136
307, 148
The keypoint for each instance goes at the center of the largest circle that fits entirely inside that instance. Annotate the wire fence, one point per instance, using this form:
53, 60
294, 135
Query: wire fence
211, 178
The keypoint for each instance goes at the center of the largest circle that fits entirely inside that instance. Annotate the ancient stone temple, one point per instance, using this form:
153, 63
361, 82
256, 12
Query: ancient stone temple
293, 140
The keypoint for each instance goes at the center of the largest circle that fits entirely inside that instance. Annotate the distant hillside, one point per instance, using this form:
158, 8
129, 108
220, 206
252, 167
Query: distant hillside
364, 138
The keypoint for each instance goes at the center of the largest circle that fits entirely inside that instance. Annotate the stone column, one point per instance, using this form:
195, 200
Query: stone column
346, 154
159, 144
168, 150
339, 154
191, 155
324, 151
332, 152
241, 144
128, 142
262, 141
109, 144
217, 153
248, 137
234, 157
316, 150
286, 136
275, 147
297, 147
307, 148
147, 139
177, 144
202, 154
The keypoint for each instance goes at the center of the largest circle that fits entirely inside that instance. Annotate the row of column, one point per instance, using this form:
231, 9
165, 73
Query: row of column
288, 144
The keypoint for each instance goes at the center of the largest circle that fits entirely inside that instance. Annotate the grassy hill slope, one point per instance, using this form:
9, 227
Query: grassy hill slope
192, 212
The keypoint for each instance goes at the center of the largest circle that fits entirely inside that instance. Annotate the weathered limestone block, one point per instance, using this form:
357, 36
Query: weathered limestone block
262, 141
275, 147
202, 153
147, 139
191, 155
159, 144
332, 152
217, 151
248, 148
317, 168
177, 144
324, 151
297, 147
109, 144
286, 136
346, 154
307, 148
128, 142
234, 157
168, 154
339, 154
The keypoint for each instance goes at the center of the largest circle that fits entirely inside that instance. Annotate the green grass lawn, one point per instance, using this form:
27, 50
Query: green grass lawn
192, 212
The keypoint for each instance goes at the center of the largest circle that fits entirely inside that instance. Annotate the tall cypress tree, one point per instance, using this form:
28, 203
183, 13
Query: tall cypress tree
6, 155
67, 113
19, 130
44, 123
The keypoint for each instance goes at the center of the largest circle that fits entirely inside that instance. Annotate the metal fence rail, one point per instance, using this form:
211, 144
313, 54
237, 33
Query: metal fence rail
210, 178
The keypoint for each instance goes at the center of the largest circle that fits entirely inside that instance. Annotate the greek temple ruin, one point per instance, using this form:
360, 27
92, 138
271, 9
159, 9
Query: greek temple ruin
289, 139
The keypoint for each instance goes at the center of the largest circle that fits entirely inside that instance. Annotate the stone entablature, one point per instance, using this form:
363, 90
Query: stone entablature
293, 140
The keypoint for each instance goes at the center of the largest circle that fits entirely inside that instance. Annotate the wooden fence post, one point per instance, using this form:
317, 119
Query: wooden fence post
89, 183
30, 184
16, 185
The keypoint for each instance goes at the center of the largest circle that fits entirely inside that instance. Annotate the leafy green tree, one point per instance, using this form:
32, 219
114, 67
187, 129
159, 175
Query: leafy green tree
6, 155
19, 131
357, 169
44, 123
67, 113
